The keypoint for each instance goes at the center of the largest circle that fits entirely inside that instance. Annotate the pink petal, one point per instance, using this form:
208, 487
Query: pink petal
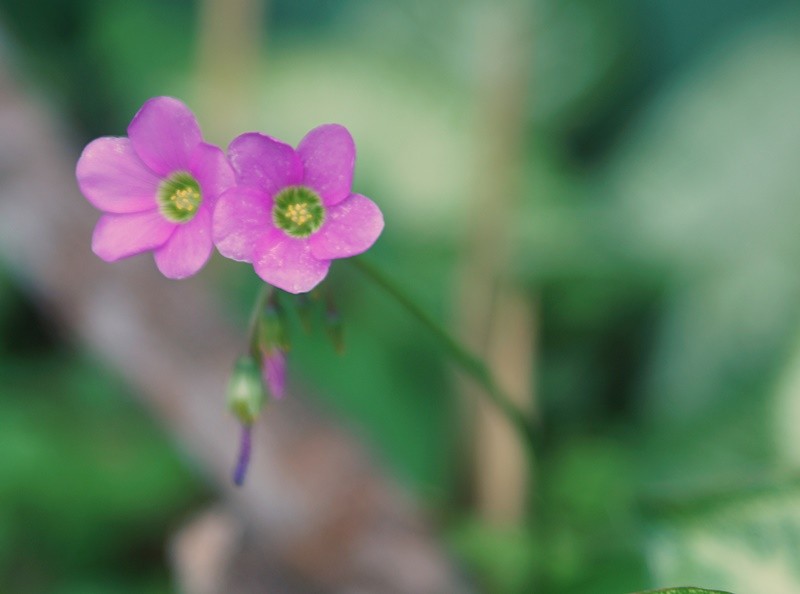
114, 179
328, 154
188, 249
350, 228
242, 217
211, 169
286, 262
121, 235
164, 134
264, 162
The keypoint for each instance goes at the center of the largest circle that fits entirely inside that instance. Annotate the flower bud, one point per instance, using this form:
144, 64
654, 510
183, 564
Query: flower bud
273, 372
245, 391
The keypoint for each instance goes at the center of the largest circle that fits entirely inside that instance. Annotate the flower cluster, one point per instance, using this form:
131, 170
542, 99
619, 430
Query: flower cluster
286, 211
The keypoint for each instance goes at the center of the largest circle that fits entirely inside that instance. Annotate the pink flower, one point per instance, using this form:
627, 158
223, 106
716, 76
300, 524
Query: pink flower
157, 188
292, 212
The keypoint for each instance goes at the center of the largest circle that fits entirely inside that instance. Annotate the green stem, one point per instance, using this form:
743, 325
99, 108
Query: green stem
264, 294
472, 365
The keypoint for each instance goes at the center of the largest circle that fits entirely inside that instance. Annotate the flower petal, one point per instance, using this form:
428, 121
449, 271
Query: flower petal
328, 154
164, 134
286, 262
114, 179
242, 217
121, 235
264, 162
350, 228
209, 166
188, 249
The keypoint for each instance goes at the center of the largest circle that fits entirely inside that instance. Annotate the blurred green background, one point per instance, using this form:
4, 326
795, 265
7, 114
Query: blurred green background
656, 232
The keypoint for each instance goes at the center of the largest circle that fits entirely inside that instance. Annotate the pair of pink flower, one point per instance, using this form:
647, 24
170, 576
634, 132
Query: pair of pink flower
288, 212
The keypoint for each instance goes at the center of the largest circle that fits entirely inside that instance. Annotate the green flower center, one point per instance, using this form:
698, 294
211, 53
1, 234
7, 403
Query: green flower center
298, 211
179, 197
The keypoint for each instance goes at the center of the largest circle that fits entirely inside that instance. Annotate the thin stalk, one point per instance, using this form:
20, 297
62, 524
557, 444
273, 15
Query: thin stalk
472, 365
264, 294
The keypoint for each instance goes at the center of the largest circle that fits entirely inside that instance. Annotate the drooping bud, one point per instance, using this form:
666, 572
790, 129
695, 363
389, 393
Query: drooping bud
273, 371
245, 390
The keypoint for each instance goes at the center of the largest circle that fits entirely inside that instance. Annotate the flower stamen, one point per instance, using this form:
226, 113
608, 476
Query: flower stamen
179, 197
298, 211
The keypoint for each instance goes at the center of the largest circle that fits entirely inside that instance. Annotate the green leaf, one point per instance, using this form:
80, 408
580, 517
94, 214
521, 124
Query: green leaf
688, 590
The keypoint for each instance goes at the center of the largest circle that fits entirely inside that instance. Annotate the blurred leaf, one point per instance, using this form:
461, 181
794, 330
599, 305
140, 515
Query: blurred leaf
80, 462
707, 190
144, 48
504, 559
743, 541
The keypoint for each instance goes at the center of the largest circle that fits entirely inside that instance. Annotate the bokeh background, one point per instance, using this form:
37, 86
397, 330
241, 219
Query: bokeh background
602, 197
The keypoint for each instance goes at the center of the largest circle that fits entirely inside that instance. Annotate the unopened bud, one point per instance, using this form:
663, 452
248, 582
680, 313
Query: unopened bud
245, 390
273, 372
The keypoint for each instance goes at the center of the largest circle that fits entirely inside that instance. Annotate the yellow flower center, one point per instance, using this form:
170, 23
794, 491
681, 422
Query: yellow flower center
179, 197
186, 199
298, 211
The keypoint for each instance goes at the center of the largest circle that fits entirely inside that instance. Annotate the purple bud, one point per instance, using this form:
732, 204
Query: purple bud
273, 370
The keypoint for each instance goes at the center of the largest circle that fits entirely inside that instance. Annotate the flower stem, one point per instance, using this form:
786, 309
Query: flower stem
524, 425
264, 294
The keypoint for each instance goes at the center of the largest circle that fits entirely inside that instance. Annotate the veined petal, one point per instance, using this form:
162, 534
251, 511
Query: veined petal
328, 154
242, 216
121, 235
287, 263
114, 179
350, 228
210, 167
188, 249
164, 133
264, 162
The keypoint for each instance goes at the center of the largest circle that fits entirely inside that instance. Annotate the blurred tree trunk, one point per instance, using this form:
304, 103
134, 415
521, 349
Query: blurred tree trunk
495, 318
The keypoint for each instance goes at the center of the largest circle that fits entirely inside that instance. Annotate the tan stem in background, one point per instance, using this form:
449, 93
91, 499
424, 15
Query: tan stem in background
494, 318
230, 41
